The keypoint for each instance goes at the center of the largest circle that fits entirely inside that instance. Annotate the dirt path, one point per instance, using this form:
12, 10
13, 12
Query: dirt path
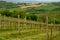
33, 6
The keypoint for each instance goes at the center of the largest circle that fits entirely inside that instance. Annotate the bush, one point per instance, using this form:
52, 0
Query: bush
6, 12
32, 17
22, 13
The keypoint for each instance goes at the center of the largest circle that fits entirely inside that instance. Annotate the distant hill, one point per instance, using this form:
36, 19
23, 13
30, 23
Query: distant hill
35, 7
56, 3
4, 4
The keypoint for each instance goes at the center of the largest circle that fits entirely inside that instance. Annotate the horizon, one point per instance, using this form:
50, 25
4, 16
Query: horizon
33, 1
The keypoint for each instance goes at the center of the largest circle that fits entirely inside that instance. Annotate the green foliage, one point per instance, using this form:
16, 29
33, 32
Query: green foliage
22, 13
32, 17
56, 3
14, 13
4, 4
56, 9
50, 9
6, 12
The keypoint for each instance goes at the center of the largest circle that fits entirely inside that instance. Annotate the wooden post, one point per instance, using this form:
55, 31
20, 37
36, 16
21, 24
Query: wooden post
41, 26
55, 25
12, 25
59, 29
25, 24
9, 23
18, 24
4, 21
51, 32
47, 33
25, 21
0, 23
54, 22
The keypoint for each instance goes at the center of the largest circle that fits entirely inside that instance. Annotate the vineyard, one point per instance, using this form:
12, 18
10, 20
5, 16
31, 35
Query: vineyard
25, 21
18, 29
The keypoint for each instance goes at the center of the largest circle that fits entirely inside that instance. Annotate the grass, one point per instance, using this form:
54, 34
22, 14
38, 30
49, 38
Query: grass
16, 20
27, 32
48, 7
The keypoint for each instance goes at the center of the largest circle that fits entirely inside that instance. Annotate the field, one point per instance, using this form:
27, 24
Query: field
9, 30
21, 21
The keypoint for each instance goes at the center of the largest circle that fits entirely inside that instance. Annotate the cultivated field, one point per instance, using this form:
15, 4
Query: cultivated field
17, 29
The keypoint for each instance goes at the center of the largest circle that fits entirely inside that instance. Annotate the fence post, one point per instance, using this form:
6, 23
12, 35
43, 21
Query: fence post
51, 31
0, 22
59, 29
4, 21
41, 26
25, 21
47, 35
18, 24
54, 21
12, 25
55, 26
9, 23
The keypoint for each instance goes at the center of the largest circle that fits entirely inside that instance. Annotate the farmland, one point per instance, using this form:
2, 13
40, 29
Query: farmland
34, 31
31, 23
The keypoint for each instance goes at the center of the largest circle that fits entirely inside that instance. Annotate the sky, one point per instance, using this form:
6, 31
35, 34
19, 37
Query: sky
33, 0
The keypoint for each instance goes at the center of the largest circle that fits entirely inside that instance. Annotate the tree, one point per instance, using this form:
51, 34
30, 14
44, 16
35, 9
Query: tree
32, 17
5, 12
22, 13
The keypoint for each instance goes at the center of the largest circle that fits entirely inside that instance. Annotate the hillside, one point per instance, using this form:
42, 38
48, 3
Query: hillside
4, 4
9, 30
47, 6
21, 21
39, 9
33, 5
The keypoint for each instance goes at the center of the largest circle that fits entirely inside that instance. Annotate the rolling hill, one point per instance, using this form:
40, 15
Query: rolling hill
4, 4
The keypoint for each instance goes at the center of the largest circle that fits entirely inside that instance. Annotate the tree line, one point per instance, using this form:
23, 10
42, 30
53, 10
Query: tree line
33, 17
